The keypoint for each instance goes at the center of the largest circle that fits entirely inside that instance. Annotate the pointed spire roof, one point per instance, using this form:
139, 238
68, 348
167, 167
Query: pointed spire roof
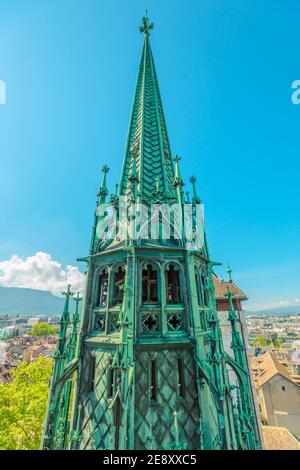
147, 142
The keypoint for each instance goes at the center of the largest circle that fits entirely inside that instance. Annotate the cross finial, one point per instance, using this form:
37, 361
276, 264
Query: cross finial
105, 169
77, 298
68, 292
146, 25
177, 158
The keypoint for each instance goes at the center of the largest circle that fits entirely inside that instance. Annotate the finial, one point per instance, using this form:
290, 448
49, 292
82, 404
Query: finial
178, 180
196, 199
103, 191
156, 193
177, 158
105, 169
229, 271
77, 298
68, 292
231, 313
146, 25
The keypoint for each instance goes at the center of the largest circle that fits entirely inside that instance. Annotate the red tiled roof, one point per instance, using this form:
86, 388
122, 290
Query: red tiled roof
266, 366
221, 289
277, 438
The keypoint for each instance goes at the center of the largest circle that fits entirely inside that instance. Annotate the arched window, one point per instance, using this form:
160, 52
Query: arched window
205, 289
149, 285
202, 288
102, 288
119, 281
198, 286
173, 285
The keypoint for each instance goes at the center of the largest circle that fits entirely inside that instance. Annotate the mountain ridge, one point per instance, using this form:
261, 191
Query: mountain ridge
24, 301
288, 310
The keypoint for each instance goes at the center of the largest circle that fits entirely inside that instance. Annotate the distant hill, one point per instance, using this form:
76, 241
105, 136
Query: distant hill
16, 300
276, 311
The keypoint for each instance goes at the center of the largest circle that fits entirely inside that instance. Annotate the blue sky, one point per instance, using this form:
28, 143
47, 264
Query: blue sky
225, 69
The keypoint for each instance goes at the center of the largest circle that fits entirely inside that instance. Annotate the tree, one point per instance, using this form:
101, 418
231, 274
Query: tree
261, 341
23, 405
43, 329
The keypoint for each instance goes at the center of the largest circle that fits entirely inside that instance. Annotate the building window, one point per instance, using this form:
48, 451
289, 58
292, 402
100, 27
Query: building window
149, 285
198, 287
100, 322
92, 365
204, 290
180, 377
114, 322
119, 281
173, 285
153, 381
283, 388
102, 288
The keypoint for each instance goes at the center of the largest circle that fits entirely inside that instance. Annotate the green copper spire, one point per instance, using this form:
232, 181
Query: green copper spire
72, 340
178, 182
229, 272
147, 368
103, 191
147, 143
196, 199
232, 316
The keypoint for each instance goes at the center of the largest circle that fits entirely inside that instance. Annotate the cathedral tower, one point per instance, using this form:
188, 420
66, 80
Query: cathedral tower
146, 367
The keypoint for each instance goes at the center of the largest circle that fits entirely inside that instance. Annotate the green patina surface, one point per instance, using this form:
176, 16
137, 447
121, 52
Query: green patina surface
146, 368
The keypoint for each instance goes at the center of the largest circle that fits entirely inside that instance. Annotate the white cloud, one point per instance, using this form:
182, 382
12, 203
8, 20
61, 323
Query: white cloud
40, 271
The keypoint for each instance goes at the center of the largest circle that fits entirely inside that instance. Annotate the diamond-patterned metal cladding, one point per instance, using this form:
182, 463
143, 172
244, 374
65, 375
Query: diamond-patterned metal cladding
96, 414
154, 425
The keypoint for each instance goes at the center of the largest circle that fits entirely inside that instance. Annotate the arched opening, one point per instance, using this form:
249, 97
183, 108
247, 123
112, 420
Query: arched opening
149, 285
119, 281
198, 287
204, 290
102, 288
173, 285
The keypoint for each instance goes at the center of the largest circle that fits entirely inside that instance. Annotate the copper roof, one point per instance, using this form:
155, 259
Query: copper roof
277, 438
221, 289
267, 366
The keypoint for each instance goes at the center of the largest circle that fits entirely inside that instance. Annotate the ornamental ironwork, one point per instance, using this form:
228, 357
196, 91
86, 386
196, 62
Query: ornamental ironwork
175, 321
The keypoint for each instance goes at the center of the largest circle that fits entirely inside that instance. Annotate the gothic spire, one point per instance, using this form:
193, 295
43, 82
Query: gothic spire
103, 191
178, 182
147, 142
